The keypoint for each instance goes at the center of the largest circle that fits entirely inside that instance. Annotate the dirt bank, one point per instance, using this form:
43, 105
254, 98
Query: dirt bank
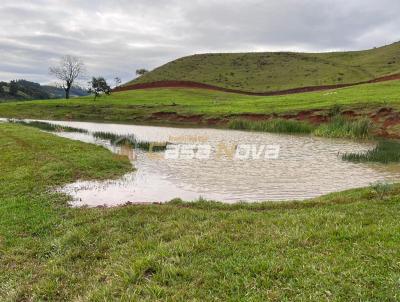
386, 121
196, 85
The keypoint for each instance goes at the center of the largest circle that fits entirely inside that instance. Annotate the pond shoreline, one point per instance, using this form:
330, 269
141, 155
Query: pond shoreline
381, 119
302, 164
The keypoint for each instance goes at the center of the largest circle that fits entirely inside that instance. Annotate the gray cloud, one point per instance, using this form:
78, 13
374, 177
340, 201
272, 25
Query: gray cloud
114, 38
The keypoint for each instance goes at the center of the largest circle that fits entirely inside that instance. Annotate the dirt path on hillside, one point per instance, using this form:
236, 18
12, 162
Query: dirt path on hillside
196, 85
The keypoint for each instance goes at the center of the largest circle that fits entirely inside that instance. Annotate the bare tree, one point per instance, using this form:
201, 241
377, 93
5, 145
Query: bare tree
69, 69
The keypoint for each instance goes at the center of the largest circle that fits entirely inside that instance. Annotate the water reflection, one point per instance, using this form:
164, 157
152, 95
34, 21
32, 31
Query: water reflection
128, 151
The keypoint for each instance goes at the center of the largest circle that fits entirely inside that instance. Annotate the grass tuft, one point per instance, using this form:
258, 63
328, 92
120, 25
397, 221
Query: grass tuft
47, 126
119, 140
382, 189
340, 127
274, 126
385, 152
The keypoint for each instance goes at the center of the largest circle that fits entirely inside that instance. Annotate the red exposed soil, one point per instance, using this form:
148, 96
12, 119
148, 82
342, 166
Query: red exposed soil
196, 85
349, 113
392, 120
175, 117
384, 112
253, 117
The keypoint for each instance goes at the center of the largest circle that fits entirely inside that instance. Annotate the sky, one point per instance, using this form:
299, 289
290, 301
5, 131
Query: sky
114, 38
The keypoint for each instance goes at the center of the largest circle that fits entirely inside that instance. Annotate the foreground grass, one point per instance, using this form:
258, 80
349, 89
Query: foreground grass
144, 105
341, 247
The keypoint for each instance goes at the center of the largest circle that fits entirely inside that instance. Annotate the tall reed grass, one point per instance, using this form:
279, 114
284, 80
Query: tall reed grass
275, 126
340, 127
385, 152
131, 140
48, 126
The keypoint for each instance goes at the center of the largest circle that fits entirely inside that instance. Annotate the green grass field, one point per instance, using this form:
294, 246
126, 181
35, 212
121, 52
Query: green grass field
341, 247
263, 72
205, 107
141, 104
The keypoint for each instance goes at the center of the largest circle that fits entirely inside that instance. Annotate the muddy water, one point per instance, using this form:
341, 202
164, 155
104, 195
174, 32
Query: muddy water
305, 167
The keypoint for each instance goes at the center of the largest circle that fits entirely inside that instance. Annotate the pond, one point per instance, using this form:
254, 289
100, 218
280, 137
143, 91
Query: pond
223, 165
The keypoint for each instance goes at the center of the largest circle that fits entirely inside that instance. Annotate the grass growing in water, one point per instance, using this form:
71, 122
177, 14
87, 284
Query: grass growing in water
47, 126
385, 152
119, 140
340, 127
275, 126
113, 137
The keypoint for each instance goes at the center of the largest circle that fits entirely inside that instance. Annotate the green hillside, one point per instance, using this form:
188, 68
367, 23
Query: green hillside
263, 72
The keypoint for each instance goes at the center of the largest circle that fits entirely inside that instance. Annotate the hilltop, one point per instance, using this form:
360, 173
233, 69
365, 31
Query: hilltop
276, 71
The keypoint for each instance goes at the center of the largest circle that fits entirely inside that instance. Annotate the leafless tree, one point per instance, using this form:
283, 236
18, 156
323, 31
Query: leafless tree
69, 69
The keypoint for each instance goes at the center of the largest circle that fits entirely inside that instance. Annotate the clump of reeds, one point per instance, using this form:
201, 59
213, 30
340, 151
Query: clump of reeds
274, 126
106, 136
131, 140
340, 127
48, 126
385, 152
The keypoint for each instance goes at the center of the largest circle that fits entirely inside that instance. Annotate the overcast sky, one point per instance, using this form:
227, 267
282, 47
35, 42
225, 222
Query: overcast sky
114, 38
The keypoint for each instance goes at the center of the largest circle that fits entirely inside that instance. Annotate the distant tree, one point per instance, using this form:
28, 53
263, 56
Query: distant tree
117, 82
99, 86
68, 71
13, 88
141, 71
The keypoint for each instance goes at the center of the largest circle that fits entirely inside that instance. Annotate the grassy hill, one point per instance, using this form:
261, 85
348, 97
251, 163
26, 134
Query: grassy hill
271, 71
